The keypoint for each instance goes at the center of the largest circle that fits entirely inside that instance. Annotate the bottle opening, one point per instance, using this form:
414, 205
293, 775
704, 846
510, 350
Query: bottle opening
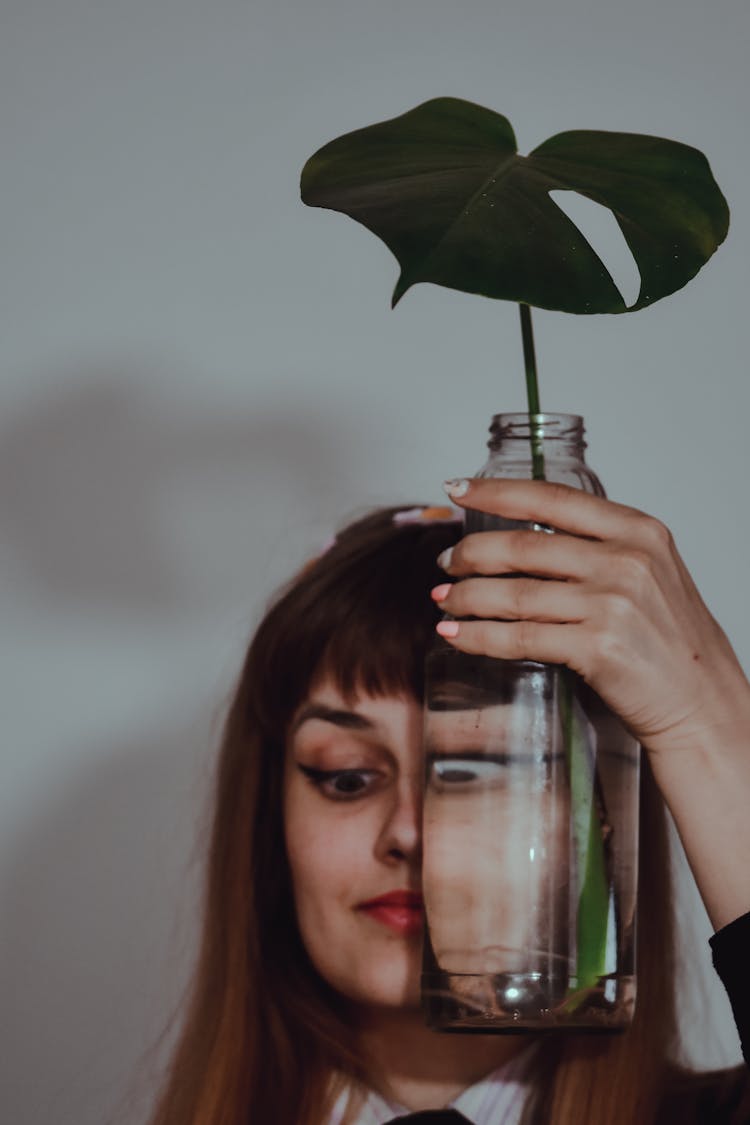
560, 428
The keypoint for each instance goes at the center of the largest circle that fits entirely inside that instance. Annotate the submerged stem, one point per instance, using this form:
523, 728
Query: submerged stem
532, 391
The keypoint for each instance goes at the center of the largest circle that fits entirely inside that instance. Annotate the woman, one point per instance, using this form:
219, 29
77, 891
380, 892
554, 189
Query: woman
304, 1008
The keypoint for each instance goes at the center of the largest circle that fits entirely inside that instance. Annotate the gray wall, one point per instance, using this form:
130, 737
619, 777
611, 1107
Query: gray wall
201, 377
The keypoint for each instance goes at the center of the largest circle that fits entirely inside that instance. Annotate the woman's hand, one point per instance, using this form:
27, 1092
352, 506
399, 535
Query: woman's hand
609, 596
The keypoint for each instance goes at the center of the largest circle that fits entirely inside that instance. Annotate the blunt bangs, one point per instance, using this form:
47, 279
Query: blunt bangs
360, 614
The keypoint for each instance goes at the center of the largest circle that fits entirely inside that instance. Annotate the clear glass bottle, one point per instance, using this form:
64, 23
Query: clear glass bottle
530, 815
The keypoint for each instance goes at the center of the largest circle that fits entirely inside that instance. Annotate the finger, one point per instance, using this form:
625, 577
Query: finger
513, 599
517, 640
524, 552
557, 505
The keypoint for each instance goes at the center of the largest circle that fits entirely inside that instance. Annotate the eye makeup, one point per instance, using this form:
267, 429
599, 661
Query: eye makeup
342, 784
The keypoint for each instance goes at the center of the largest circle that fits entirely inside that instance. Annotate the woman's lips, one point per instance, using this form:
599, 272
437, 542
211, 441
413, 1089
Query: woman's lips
400, 911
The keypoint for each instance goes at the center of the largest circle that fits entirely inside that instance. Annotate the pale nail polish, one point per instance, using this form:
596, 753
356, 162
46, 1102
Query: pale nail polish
444, 558
447, 628
440, 593
456, 488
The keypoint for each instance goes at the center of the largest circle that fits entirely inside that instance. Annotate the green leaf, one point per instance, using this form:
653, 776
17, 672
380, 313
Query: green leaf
444, 187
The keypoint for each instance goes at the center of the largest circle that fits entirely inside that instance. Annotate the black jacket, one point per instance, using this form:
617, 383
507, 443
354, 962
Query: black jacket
720, 1097
731, 954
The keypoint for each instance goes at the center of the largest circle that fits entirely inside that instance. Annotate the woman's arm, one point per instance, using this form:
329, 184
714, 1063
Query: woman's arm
613, 600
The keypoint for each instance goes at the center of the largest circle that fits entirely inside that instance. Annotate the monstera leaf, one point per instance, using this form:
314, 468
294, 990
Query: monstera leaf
444, 187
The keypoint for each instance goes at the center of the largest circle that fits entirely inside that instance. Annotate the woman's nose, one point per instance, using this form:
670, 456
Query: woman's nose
401, 835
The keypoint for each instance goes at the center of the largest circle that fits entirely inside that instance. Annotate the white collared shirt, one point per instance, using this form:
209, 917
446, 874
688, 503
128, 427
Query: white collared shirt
498, 1099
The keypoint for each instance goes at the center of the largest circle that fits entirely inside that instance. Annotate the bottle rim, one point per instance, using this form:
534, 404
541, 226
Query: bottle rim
561, 429
565, 421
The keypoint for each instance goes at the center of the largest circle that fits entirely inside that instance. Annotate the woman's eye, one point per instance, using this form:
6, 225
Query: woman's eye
461, 774
342, 785
348, 783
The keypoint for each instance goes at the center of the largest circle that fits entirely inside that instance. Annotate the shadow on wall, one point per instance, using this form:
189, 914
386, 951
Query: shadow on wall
113, 497
100, 909
122, 508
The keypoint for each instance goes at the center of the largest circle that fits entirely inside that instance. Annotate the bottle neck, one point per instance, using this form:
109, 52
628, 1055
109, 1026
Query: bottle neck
561, 435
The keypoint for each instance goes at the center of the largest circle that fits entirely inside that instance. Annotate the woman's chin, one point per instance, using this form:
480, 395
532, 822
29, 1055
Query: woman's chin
389, 986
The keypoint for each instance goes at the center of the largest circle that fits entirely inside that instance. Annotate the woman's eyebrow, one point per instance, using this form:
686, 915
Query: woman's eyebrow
349, 720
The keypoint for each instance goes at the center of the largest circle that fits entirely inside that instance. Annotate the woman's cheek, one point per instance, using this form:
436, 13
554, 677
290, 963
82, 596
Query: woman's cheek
480, 874
324, 842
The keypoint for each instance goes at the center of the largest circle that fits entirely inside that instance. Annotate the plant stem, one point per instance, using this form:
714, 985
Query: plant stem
590, 859
532, 391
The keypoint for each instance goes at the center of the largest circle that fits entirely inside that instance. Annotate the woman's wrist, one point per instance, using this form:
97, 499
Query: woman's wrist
717, 722
705, 781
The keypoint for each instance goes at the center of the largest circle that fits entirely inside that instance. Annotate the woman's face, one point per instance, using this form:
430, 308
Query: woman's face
352, 816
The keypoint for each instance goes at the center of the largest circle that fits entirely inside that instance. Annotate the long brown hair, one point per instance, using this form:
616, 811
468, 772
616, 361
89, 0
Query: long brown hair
263, 1035
622, 1079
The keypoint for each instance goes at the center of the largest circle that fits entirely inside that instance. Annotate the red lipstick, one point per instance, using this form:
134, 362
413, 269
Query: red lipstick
400, 911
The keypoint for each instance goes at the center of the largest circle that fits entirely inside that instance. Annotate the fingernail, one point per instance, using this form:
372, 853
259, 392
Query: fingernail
447, 628
440, 593
444, 558
456, 488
